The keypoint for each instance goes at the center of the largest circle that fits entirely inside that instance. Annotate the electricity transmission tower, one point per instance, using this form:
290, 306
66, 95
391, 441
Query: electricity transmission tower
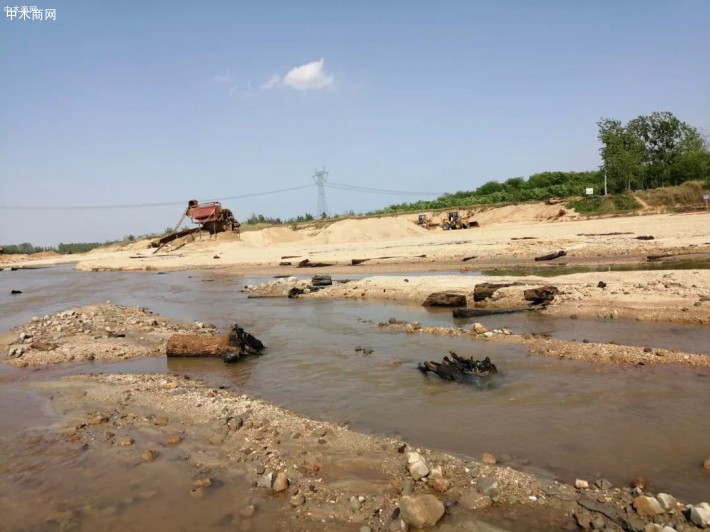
319, 178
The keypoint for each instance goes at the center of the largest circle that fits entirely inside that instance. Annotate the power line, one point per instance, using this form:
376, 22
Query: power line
142, 205
372, 190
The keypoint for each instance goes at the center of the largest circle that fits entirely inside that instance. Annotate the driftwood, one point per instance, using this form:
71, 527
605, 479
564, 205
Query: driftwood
604, 234
645, 237
483, 291
229, 347
444, 299
469, 258
539, 296
290, 257
459, 368
355, 262
525, 238
15, 292
284, 263
305, 263
552, 256
478, 312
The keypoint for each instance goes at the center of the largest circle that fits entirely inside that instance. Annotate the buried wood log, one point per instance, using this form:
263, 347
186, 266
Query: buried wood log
459, 368
478, 312
652, 258
538, 296
525, 238
230, 347
284, 263
605, 234
444, 299
551, 256
321, 280
645, 237
469, 258
355, 262
483, 291
305, 263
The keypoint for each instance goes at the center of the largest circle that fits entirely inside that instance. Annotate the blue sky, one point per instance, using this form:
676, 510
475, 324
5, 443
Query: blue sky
146, 102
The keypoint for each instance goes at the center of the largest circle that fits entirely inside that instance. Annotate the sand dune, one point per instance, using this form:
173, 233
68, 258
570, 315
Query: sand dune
368, 230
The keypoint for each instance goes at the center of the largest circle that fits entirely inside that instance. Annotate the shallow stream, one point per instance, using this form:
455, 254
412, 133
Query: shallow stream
564, 418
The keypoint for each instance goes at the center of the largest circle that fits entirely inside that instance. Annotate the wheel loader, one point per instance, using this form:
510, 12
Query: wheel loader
452, 221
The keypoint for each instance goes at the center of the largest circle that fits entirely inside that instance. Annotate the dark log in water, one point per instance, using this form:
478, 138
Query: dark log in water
230, 347
444, 299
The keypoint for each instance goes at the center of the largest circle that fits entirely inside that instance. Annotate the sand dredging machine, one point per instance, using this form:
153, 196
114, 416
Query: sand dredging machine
211, 217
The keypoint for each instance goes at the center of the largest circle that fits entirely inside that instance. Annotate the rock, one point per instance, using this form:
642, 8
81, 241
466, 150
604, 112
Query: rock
417, 466
653, 527
281, 482
488, 486
581, 484
266, 481
603, 484
421, 511
700, 515
298, 500
647, 506
488, 458
472, 500
667, 502
478, 328
436, 472
125, 442
488, 334
407, 486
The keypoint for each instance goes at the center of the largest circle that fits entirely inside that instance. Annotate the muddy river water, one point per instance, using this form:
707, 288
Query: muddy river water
563, 418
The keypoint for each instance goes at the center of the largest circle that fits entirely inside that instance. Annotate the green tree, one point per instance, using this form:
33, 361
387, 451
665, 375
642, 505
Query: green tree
666, 140
623, 155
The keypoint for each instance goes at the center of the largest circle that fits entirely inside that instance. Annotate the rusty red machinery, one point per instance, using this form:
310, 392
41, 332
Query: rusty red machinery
210, 216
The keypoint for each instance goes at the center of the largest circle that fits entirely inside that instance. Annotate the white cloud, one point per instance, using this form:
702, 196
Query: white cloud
308, 77
222, 78
273, 81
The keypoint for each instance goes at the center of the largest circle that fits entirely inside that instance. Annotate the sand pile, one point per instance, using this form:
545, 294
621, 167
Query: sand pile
270, 236
371, 229
536, 212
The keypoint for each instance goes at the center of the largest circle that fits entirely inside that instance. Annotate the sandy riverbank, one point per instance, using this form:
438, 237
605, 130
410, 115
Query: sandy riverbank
281, 471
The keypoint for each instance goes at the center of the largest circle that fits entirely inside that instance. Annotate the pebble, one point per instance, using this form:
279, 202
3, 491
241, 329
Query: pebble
440, 484
248, 510
581, 484
298, 500
173, 440
488, 458
281, 482
354, 504
149, 455
407, 487
421, 511
125, 442
488, 486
